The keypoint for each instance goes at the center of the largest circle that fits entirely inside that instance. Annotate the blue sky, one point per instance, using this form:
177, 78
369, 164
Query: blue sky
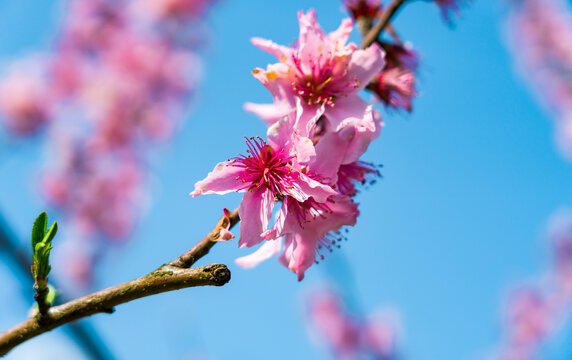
469, 180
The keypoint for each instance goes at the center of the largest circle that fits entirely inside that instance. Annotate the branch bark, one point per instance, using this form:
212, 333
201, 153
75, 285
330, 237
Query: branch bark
166, 278
172, 276
383, 19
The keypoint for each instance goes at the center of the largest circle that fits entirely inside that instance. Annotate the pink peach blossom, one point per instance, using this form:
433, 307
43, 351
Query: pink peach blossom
267, 174
321, 76
396, 87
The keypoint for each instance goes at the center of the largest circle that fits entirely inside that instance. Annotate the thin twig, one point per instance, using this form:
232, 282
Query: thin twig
383, 20
84, 335
166, 278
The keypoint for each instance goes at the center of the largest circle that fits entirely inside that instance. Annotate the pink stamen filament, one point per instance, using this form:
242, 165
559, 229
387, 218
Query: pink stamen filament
328, 241
321, 85
265, 167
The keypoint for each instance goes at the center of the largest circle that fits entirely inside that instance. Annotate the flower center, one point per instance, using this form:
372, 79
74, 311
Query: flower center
321, 80
264, 167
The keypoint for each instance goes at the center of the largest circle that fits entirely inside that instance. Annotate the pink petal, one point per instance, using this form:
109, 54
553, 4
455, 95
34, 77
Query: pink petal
309, 26
343, 212
263, 253
276, 79
365, 64
225, 235
278, 228
299, 253
308, 21
311, 39
304, 149
286, 255
221, 180
360, 139
330, 151
303, 254
307, 116
351, 111
280, 133
352, 125
305, 188
281, 52
255, 212
341, 35
269, 113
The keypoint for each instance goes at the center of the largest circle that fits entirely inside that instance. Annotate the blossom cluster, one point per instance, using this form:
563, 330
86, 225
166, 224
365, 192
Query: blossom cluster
117, 81
350, 336
535, 312
395, 84
319, 127
540, 34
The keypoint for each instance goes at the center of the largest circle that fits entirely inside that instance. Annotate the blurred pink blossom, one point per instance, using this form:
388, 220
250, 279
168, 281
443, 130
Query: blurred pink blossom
395, 84
24, 99
540, 38
396, 87
348, 335
533, 313
117, 81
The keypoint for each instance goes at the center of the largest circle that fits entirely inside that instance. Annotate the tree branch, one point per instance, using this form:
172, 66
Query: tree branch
383, 20
166, 278
175, 275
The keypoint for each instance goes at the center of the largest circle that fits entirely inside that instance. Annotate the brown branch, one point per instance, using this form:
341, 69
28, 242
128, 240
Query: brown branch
175, 275
166, 278
383, 20
202, 247
364, 24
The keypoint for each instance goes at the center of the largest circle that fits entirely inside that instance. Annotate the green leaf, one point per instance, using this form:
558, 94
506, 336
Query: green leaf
42, 260
39, 229
51, 233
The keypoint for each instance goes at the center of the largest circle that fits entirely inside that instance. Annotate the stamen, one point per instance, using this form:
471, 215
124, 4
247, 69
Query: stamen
265, 167
325, 81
